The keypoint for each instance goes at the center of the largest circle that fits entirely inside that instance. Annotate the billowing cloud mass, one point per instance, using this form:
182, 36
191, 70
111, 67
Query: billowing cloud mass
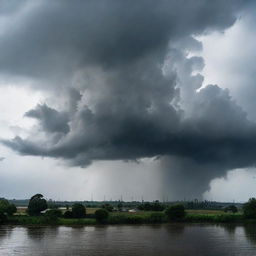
125, 84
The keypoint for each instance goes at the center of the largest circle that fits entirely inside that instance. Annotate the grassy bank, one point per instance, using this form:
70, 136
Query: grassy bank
132, 218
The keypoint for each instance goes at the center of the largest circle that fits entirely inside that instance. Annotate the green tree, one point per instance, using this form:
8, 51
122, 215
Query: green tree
249, 209
37, 203
6, 207
175, 212
4, 204
11, 209
107, 207
78, 211
101, 215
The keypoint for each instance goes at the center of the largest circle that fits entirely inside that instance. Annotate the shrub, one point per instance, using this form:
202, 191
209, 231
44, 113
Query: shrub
101, 215
107, 207
156, 217
36, 204
7, 208
231, 208
175, 212
11, 209
68, 215
249, 209
53, 214
78, 211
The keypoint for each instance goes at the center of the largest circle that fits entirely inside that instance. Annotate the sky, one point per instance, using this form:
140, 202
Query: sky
132, 100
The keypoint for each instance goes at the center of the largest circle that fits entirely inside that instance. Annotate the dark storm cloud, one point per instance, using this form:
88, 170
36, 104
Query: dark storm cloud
52, 39
135, 94
50, 119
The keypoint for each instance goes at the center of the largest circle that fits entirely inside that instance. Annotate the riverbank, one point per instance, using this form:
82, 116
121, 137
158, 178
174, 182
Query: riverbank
128, 218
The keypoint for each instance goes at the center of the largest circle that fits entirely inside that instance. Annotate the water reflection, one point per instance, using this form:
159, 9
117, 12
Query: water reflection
172, 239
250, 231
40, 232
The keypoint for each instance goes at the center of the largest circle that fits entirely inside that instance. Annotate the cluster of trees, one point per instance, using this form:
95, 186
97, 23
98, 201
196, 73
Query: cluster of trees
196, 204
37, 204
155, 206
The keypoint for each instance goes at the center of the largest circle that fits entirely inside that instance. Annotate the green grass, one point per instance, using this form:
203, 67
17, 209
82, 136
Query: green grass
215, 218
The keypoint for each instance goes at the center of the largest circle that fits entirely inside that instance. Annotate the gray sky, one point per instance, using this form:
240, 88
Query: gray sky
149, 99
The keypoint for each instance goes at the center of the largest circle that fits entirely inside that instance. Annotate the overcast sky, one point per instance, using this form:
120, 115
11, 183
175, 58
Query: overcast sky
133, 99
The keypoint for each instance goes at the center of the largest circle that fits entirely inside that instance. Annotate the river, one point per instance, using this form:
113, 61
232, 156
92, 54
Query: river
122, 240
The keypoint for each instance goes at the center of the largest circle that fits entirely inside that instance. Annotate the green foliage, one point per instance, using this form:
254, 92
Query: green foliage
249, 209
53, 214
11, 209
155, 206
68, 215
231, 208
101, 215
78, 211
156, 217
107, 207
214, 218
7, 208
36, 204
4, 204
84, 221
175, 212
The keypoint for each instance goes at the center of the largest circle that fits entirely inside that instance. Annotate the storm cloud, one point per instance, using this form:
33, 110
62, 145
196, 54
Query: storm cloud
125, 86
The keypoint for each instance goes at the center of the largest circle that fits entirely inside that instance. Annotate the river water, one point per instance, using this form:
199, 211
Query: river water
122, 240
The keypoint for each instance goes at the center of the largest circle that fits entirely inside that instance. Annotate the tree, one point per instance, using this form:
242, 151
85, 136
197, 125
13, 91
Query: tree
11, 209
175, 212
78, 211
101, 215
6, 207
249, 209
107, 207
36, 204
4, 204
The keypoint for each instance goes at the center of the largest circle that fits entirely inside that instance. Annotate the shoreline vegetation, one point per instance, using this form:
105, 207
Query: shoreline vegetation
132, 218
39, 212
127, 218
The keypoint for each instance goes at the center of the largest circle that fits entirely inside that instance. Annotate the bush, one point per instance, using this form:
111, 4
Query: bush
7, 208
36, 204
249, 209
231, 208
78, 211
107, 207
68, 215
156, 217
175, 212
101, 215
11, 209
53, 214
